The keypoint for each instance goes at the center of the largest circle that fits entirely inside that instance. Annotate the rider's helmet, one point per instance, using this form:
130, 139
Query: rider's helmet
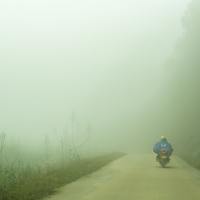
163, 139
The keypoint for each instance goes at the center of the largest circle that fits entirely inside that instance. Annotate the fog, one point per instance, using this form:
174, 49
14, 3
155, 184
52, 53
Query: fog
101, 59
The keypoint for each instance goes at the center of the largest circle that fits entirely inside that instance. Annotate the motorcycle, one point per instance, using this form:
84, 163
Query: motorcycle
163, 157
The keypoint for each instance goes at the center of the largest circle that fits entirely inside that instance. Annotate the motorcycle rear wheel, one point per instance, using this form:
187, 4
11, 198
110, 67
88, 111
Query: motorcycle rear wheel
162, 165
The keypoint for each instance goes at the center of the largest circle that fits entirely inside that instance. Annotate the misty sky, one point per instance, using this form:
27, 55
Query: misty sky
102, 59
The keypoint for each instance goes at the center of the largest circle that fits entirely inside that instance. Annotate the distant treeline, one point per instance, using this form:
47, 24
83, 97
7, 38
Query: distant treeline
183, 90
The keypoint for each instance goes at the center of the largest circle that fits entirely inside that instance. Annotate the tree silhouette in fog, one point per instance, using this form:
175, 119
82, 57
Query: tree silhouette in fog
183, 69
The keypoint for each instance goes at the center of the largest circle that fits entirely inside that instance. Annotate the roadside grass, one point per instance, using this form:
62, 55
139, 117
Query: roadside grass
21, 182
194, 162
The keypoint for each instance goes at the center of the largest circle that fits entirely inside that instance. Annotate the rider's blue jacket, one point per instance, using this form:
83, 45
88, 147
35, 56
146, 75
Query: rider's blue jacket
163, 144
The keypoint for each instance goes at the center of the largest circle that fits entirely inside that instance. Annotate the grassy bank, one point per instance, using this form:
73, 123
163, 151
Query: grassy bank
193, 161
30, 183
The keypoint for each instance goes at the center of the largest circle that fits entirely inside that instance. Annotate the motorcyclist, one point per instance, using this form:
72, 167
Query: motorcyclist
162, 144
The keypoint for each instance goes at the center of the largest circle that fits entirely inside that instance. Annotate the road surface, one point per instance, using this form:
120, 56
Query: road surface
137, 177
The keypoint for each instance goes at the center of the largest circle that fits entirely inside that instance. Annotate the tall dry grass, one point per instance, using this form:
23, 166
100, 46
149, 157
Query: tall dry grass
26, 182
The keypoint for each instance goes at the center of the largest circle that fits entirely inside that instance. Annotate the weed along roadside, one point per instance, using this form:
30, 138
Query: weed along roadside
30, 183
191, 160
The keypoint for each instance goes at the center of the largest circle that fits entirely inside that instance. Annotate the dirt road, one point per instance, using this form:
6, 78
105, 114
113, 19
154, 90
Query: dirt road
136, 177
